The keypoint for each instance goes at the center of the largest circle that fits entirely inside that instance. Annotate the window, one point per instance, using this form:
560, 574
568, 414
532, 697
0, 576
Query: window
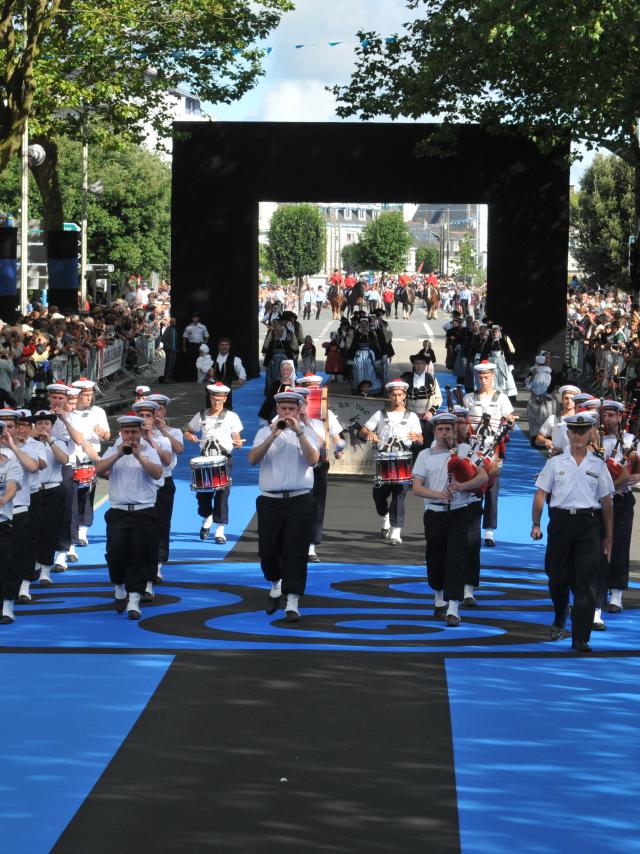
362, 214
347, 213
192, 106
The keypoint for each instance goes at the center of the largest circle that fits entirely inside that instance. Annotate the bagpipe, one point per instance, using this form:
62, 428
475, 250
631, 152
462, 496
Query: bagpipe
464, 469
629, 453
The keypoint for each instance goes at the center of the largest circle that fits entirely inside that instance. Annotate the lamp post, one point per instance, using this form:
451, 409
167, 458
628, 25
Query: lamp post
96, 189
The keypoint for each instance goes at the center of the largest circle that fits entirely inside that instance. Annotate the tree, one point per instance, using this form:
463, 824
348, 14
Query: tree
297, 240
549, 71
385, 243
352, 260
467, 263
129, 225
429, 257
602, 220
106, 70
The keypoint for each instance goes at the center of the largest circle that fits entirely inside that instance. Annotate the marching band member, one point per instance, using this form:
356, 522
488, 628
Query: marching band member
49, 501
30, 454
388, 427
624, 470
497, 405
579, 488
423, 395
331, 432
60, 397
216, 429
92, 421
147, 410
286, 450
464, 435
544, 437
135, 473
10, 483
142, 391
166, 493
446, 517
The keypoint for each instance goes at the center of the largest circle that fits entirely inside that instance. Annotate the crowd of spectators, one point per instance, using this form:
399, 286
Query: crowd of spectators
45, 344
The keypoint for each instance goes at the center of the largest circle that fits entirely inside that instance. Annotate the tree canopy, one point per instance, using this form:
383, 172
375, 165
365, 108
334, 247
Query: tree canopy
549, 70
352, 260
429, 257
602, 220
297, 241
385, 242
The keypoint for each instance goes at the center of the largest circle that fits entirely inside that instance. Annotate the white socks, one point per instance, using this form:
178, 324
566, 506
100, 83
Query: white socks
134, 602
312, 549
468, 591
120, 591
208, 522
24, 589
72, 551
616, 598
83, 530
60, 558
160, 576
292, 602
219, 530
7, 609
45, 573
439, 602
149, 587
488, 534
385, 524
276, 589
453, 608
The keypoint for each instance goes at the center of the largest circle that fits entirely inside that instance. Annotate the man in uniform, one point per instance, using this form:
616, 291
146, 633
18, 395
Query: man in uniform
195, 334
544, 438
579, 489
286, 450
218, 432
135, 473
394, 427
10, 483
91, 421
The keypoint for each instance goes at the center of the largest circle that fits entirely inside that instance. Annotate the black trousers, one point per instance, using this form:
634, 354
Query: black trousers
169, 364
9, 575
84, 508
572, 562
320, 483
472, 563
164, 509
68, 492
35, 523
193, 351
132, 547
21, 553
51, 504
490, 503
395, 507
447, 536
614, 574
306, 311
318, 310
214, 504
284, 537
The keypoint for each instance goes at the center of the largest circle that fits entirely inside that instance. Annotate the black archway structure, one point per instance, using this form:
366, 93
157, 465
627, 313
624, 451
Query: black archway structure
221, 171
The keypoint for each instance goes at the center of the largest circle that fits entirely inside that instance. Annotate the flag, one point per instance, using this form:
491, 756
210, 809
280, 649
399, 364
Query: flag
419, 270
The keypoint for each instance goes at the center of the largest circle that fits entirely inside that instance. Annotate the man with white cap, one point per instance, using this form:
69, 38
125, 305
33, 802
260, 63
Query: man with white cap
625, 473
544, 437
92, 422
579, 489
326, 431
392, 428
218, 432
135, 473
10, 483
487, 401
446, 518
286, 450
142, 391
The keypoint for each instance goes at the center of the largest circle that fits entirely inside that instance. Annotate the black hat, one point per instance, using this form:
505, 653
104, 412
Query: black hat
422, 357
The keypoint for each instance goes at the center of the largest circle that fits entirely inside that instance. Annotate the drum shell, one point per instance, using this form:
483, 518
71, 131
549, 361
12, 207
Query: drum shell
210, 474
84, 474
393, 467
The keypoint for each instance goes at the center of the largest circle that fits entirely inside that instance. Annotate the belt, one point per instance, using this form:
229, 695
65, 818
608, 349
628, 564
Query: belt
582, 511
293, 494
437, 508
131, 508
50, 485
22, 509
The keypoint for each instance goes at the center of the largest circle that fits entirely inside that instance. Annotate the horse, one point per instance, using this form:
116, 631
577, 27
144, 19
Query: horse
337, 299
408, 300
431, 301
355, 298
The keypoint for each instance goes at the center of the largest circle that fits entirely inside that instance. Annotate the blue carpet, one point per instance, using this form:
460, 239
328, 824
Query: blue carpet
63, 717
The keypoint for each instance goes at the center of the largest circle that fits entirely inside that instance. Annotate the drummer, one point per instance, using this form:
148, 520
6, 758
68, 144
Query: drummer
544, 437
142, 391
217, 430
392, 429
329, 431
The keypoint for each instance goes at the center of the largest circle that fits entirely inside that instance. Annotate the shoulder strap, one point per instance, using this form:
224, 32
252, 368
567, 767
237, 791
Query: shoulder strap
496, 397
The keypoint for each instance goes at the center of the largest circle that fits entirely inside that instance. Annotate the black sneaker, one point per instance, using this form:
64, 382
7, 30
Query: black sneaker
204, 533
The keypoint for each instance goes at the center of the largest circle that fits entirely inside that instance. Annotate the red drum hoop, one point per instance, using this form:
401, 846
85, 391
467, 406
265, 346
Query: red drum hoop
393, 467
317, 403
84, 474
210, 474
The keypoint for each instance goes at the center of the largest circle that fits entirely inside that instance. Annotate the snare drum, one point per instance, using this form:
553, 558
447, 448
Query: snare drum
210, 474
318, 403
84, 474
393, 467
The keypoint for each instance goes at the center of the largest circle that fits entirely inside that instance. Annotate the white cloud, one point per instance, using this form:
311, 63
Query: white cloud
297, 101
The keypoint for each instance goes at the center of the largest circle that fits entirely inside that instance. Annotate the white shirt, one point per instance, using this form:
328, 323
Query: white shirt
237, 365
30, 480
53, 471
431, 465
548, 425
196, 333
560, 437
129, 483
308, 297
284, 468
10, 469
497, 409
397, 425
216, 427
333, 429
573, 486
86, 420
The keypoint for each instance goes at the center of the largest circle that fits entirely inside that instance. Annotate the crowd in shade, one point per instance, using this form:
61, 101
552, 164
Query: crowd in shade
45, 344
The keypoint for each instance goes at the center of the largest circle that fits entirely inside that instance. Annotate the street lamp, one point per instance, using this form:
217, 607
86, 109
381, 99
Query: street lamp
96, 189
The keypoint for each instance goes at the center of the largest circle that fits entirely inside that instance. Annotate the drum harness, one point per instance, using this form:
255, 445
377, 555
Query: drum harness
211, 447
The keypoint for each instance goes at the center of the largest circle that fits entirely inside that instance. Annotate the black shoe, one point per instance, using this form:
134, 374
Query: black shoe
204, 533
273, 603
220, 540
83, 543
490, 543
614, 609
5, 621
133, 615
556, 633
292, 616
440, 612
71, 558
58, 567
313, 558
24, 600
599, 627
452, 620
470, 602
581, 646
147, 596
120, 605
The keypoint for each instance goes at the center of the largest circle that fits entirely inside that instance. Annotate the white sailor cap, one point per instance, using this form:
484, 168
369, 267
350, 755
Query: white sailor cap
582, 395
142, 389
73, 392
580, 419
83, 383
569, 389
144, 404
444, 418
23, 414
484, 366
616, 405
160, 398
401, 384
204, 349
302, 390
591, 403
8, 413
310, 377
288, 397
218, 388
460, 410
44, 415
58, 386
130, 421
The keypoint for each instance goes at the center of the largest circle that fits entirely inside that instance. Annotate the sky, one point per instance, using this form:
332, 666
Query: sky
295, 81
